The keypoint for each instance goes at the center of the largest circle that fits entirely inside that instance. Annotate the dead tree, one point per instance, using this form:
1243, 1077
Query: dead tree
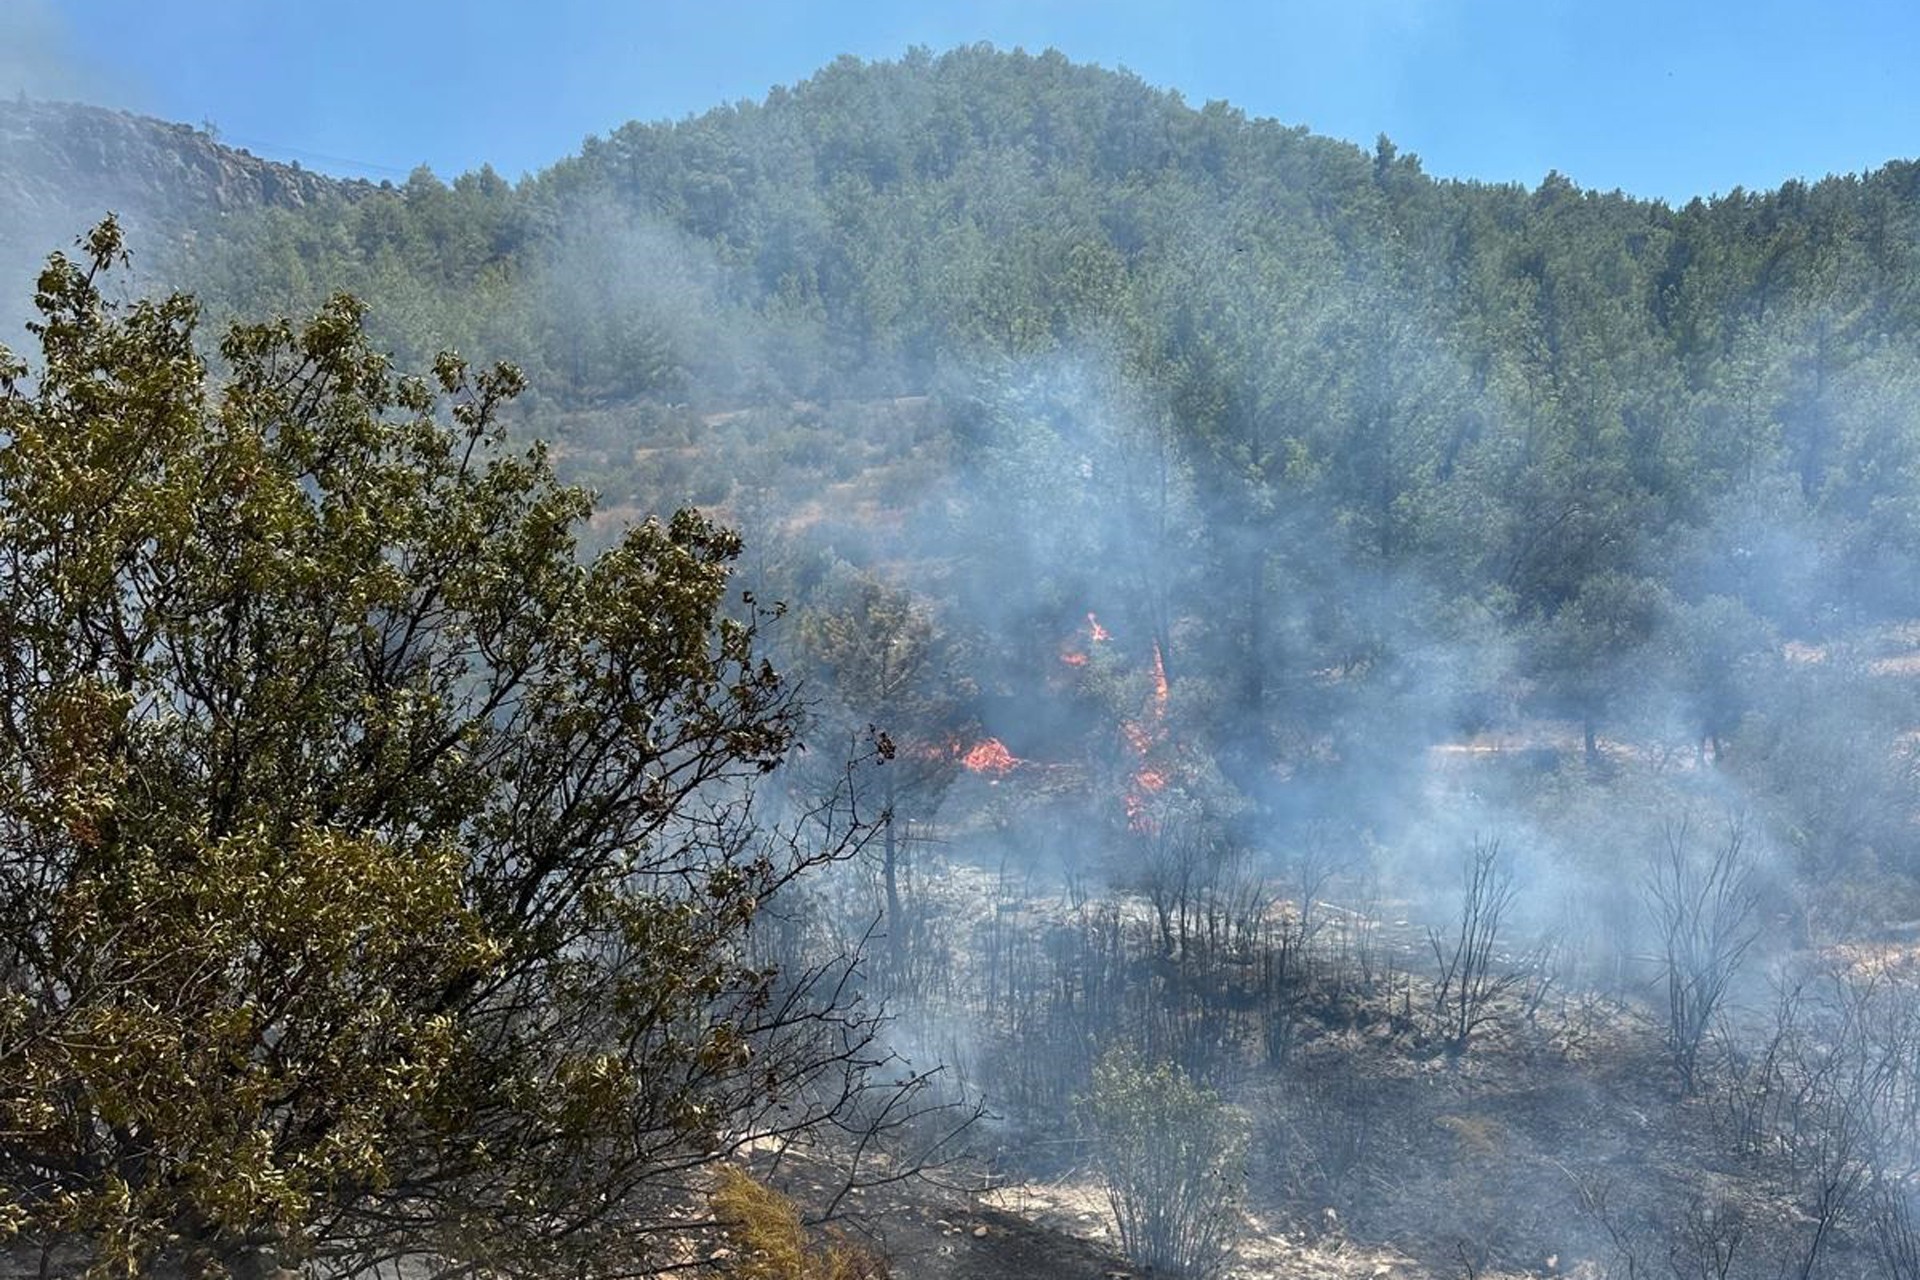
1469, 981
1896, 1236
1283, 949
1707, 1239
1704, 914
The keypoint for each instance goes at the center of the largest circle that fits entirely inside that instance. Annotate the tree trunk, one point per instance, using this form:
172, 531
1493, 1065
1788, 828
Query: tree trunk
1254, 691
890, 870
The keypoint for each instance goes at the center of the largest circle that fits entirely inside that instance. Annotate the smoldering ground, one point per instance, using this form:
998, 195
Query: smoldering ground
1404, 730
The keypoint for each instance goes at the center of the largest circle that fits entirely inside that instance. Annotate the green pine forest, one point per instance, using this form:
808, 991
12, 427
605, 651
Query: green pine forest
1375, 457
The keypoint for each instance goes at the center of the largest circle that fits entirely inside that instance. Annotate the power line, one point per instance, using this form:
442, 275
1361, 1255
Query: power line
316, 156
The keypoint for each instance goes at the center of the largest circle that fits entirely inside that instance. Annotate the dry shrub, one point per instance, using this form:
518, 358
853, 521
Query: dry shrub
769, 1242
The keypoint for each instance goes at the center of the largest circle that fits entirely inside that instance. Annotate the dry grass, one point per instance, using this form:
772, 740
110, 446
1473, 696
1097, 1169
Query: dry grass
768, 1241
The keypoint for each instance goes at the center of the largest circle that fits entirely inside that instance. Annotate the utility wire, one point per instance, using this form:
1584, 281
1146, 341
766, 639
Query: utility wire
317, 156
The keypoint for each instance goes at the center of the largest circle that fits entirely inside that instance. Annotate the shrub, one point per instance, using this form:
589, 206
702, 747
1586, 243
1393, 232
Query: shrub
1170, 1152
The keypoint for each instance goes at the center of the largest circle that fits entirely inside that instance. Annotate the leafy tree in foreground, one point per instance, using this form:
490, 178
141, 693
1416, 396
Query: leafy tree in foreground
373, 872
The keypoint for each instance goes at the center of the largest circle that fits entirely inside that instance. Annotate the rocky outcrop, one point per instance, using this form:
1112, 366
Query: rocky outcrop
55, 156
64, 165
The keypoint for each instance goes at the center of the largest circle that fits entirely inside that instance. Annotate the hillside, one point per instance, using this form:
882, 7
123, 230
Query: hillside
59, 158
1431, 662
63, 164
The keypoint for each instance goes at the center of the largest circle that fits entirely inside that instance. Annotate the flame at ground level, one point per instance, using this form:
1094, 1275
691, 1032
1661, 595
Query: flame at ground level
990, 756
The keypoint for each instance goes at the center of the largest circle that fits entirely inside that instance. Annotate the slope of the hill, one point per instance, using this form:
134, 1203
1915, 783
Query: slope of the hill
63, 165
1255, 508
57, 157
1368, 457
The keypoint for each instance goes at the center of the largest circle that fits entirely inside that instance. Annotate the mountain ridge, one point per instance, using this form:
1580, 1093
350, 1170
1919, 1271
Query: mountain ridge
55, 152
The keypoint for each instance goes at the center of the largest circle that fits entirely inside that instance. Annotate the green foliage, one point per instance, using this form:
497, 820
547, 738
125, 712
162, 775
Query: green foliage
373, 869
1722, 652
1590, 646
1170, 1153
1290, 390
892, 674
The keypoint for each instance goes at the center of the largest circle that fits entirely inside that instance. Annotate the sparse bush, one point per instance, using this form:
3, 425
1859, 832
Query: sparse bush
1170, 1152
1321, 1136
1704, 913
1469, 981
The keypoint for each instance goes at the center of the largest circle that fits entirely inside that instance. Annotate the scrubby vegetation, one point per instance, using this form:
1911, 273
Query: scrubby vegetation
1413, 679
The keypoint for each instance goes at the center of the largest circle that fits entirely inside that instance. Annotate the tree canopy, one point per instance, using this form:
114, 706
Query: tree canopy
376, 872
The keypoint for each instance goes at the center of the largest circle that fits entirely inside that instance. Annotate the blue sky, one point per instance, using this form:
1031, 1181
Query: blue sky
1667, 100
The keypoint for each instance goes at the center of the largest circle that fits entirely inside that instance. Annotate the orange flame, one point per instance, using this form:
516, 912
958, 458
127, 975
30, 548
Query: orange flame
990, 756
1145, 736
1076, 656
1147, 783
1140, 817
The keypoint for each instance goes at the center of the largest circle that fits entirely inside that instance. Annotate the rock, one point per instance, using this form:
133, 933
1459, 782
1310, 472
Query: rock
63, 164
980, 1232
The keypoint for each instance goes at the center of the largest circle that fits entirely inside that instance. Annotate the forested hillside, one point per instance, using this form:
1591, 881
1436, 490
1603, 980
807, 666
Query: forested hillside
1415, 682
1281, 406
